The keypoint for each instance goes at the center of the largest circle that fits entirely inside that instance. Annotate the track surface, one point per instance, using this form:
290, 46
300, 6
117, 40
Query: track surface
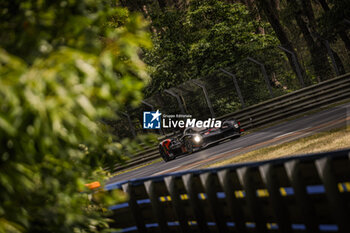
288, 131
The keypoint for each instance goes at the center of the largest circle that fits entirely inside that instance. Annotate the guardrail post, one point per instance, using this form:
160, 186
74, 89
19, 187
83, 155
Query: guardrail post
305, 206
192, 191
337, 204
329, 51
177, 203
206, 96
234, 206
134, 208
263, 70
238, 90
148, 104
296, 64
247, 181
269, 177
157, 209
153, 109
178, 100
331, 55
182, 98
130, 123
207, 180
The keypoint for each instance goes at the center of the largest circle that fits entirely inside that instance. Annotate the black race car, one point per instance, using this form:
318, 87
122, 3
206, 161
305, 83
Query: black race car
194, 139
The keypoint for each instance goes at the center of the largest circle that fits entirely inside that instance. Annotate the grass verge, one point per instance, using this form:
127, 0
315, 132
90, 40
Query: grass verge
321, 142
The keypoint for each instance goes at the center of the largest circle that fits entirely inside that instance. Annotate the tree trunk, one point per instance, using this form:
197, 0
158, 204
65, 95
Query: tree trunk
342, 33
276, 25
276, 5
324, 5
339, 62
345, 39
253, 9
321, 66
309, 13
280, 32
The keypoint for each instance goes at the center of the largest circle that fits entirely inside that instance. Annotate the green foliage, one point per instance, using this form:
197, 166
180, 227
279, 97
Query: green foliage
196, 41
168, 60
226, 35
64, 65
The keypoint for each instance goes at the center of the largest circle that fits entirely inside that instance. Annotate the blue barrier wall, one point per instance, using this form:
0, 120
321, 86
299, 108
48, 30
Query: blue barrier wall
309, 193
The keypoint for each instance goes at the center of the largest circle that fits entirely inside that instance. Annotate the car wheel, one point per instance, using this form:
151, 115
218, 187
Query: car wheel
172, 156
189, 146
163, 155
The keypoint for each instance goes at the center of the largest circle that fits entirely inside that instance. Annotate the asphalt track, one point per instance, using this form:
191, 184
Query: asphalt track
321, 121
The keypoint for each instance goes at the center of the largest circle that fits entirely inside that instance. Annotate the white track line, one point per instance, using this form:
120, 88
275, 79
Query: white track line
285, 134
234, 149
291, 132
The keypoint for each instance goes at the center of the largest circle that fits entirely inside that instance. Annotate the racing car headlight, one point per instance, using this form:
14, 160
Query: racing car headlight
197, 138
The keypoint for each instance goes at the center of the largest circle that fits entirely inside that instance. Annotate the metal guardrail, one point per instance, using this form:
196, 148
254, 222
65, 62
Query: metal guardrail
309, 193
273, 110
311, 97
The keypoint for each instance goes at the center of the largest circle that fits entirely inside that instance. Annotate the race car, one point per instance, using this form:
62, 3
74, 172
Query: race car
194, 139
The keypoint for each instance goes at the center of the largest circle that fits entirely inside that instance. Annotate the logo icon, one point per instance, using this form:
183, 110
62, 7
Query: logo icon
151, 120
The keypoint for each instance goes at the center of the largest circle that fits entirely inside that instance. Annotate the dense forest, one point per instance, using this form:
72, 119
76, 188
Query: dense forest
68, 66
193, 38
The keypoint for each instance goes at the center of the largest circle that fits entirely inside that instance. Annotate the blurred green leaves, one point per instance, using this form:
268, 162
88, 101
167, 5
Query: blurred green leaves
64, 66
